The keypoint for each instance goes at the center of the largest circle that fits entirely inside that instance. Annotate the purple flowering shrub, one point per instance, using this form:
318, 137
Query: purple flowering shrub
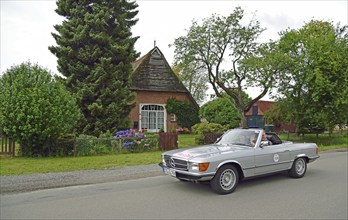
134, 141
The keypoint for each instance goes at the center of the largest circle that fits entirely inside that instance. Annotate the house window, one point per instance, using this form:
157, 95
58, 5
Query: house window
172, 117
152, 118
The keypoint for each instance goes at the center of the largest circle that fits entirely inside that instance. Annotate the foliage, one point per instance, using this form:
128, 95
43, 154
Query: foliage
124, 141
313, 86
193, 77
220, 39
221, 111
187, 114
35, 109
87, 145
134, 141
95, 49
324, 139
201, 128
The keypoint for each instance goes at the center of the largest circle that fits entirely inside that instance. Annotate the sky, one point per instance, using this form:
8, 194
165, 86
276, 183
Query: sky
26, 25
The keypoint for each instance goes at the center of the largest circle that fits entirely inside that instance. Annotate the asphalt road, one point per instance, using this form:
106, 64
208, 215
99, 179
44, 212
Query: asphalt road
321, 194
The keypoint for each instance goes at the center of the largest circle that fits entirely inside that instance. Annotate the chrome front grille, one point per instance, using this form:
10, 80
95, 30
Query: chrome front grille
175, 163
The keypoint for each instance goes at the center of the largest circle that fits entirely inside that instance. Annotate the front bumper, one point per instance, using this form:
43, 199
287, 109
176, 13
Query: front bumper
186, 175
312, 159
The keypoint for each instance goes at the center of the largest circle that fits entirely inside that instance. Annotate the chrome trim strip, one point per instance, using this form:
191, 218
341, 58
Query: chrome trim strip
273, 164
195, 174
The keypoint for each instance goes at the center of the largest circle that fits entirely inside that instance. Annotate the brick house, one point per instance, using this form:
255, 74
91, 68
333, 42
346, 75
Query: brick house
154, 83
255, 117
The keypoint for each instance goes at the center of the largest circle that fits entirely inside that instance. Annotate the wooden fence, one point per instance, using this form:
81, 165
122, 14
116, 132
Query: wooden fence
7, 146
168, 141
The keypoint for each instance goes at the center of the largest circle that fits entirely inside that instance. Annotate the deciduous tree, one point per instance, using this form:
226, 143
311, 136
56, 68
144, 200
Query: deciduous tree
195, 80
313, 85
35, 109
226, 41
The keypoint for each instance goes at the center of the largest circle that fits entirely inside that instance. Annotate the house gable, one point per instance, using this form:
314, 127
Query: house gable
153, 73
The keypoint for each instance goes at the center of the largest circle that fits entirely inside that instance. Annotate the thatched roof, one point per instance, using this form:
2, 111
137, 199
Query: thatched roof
153, 73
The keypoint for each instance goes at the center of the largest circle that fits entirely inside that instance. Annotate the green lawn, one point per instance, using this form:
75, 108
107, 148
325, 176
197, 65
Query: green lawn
186, 140
18, 165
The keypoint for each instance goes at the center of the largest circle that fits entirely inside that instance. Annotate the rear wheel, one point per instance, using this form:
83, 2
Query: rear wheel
299, 168
225, 180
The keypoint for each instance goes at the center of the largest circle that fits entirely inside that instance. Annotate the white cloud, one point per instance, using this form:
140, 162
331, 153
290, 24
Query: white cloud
26, 26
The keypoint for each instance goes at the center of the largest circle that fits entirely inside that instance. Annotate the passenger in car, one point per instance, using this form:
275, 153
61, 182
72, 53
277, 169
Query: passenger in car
264, 139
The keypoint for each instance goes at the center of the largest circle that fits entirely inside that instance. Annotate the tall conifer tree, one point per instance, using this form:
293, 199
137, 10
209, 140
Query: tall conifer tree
95, 50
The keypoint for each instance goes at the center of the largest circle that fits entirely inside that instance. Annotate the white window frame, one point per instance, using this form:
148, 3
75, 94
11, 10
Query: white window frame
156, 112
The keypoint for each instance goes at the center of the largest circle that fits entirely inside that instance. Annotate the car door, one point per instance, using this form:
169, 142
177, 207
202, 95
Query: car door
271, 158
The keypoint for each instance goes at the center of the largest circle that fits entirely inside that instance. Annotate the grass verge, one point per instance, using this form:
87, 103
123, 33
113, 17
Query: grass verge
19, 166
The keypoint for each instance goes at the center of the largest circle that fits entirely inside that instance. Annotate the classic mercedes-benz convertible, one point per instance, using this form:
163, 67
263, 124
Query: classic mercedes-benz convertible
239, 154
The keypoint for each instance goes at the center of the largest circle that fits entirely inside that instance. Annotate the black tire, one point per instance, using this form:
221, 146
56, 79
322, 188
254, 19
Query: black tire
299, 168
225, 180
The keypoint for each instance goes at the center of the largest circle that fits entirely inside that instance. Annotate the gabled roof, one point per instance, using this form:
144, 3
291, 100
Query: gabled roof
153, 73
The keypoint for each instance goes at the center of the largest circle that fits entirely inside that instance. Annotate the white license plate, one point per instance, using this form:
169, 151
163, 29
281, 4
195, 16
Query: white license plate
169, 171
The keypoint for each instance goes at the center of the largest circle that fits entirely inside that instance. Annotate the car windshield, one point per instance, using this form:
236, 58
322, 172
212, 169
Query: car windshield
240, 137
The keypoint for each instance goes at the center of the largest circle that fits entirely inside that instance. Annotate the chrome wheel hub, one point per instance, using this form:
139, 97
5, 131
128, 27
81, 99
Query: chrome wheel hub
300, 166
227, 179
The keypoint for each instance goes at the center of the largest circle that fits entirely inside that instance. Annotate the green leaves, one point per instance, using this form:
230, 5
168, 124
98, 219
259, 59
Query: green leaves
35, 109
219, 46
221, 111
186, 113
95, 50
314, 77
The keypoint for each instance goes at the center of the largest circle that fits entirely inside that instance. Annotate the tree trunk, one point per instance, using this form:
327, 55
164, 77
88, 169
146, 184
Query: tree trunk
243, 121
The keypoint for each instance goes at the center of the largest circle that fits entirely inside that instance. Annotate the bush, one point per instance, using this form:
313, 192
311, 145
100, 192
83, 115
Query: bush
201, 128
133, 141
221, 111
84, 145
35, 109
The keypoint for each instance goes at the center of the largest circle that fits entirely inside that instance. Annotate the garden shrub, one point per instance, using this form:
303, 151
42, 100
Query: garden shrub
133, 141
201, 128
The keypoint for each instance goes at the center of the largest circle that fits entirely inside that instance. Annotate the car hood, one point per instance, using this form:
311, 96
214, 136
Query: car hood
207, 151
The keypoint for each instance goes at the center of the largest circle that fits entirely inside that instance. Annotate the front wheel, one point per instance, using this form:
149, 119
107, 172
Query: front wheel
299, 168
225, 180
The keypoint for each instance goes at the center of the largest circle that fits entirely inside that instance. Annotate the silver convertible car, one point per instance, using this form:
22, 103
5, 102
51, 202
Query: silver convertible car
238, 154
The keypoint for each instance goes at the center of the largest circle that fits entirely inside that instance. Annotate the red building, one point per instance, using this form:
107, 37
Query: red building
154, 83
256, 118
